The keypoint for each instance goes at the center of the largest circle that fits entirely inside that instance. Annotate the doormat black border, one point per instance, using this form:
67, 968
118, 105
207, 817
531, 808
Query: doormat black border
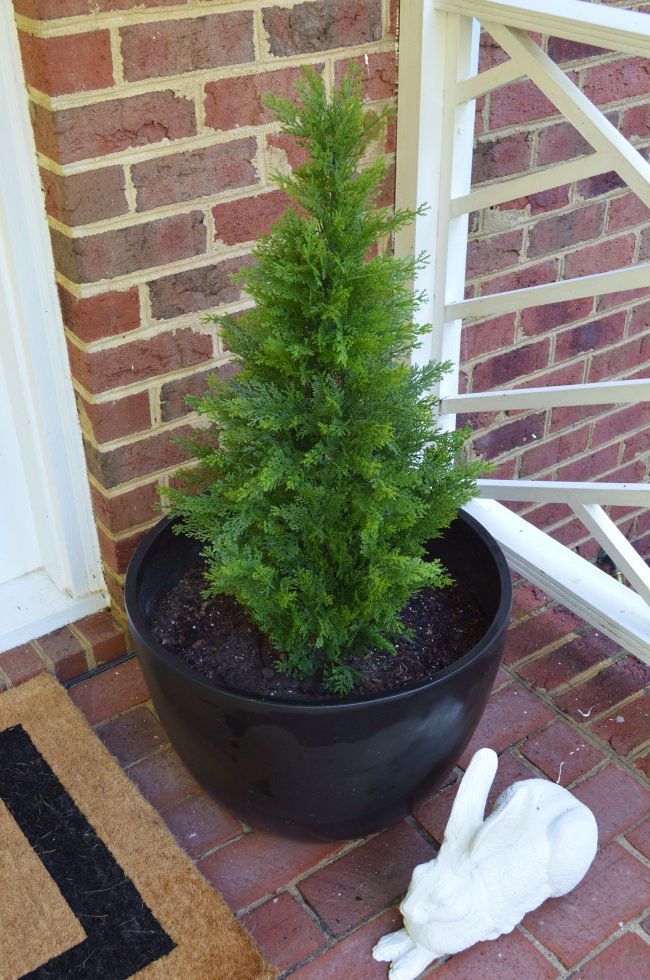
122, 934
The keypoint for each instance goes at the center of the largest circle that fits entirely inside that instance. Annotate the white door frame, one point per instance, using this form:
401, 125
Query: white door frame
69, 583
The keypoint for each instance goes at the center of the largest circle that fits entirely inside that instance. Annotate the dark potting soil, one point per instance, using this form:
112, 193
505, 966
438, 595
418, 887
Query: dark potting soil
218, 639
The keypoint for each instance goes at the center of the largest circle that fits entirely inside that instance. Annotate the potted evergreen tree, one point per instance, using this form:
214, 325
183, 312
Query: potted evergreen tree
327, 501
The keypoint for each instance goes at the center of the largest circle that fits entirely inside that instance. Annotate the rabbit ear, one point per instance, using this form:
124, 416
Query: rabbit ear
506, 824
467, 812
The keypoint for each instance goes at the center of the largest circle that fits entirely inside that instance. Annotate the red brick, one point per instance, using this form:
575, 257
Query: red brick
560, 142
111, 692
79, 199
105, 315
294, 155
196, 290
511, 715
51, 9
628, 956
21, 663
258, 864
616, 80
640, 319
518, 102
567, 374
349, 890
106, 5
627, 728
639, 443
643, 765
636, 122
573, 535
248, 218
521, 278
117, 553
490, 53
149, 357
615, 425
640, 838
500, 370
502, 157
70, 63
283, 931
477, 338
590, 336
541, 203
162, 778
136, 459
115, 419
64, 651
234, 102
602, 692
352, 957
620, 360
199, 824
562, 49
607, 300
548, 452
378, 74
493, 252
132, 736
550, 235
589, 467
561, 418
190, 44
538, 632
616, 800
510, 957
561, 753
611, 254
644, 247
615, 889
126, 509
566, 662
625, 212
67, 135
527, 598
510, 436
547, 515
539, 319
599, 184
125, 250
174, 394
197, 173
317, 26
394, 16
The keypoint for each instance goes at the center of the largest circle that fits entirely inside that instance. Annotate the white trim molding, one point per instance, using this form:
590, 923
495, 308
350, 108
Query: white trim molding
32, 346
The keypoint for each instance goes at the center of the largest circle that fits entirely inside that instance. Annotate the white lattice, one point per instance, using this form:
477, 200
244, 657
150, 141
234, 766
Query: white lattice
438, 83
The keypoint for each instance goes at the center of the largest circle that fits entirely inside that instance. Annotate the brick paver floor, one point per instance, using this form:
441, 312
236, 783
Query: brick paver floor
568, 704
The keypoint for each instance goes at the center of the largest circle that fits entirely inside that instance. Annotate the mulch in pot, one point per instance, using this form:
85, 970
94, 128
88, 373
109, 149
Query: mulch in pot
219, 640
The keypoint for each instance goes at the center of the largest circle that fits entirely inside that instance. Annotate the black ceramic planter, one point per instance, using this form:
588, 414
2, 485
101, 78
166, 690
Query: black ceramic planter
336, 770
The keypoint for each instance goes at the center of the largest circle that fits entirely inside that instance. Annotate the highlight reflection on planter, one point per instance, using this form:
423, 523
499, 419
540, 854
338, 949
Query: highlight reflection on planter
338, 769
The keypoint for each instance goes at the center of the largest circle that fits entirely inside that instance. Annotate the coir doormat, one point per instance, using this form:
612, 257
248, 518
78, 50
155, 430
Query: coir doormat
92, 884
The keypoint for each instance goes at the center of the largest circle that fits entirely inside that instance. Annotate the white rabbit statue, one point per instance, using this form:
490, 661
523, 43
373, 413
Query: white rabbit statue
537, 843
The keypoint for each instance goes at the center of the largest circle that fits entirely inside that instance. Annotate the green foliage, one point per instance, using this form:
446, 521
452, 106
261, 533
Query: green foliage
324, 471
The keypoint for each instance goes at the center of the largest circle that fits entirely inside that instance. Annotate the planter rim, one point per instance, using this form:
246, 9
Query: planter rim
140, 627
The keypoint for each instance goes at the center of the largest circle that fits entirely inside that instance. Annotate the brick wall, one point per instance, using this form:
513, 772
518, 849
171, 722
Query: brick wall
593, 225
155, 153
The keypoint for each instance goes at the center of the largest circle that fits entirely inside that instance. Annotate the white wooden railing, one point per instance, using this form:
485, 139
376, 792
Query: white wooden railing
438, 83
